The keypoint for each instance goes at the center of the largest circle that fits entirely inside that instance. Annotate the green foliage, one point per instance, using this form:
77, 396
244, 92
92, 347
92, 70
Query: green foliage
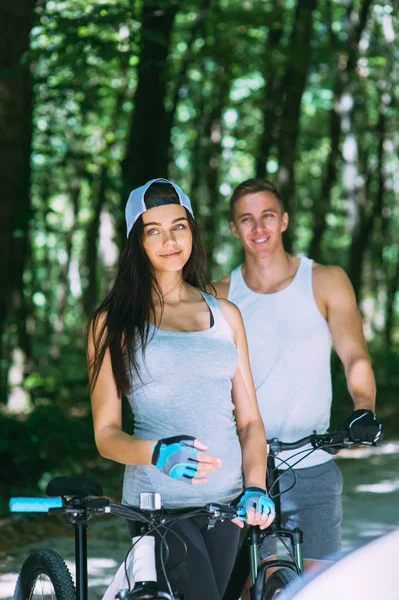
222, 68
386, 369
56, 436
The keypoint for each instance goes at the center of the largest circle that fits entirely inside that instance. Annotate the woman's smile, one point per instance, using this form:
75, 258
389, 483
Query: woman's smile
171, 254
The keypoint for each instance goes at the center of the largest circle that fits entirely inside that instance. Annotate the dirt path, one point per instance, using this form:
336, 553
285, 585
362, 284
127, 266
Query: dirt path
371, 508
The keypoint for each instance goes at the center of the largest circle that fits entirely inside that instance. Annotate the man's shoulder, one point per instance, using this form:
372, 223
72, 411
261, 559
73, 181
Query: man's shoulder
331, 281
222, 287
328, 273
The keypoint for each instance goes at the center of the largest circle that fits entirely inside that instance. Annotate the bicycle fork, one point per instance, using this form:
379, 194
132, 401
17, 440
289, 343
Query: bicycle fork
254, 540
255, 537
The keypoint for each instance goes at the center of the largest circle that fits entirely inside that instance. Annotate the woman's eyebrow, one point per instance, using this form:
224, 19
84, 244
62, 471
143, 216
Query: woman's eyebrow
152, 223
160, 224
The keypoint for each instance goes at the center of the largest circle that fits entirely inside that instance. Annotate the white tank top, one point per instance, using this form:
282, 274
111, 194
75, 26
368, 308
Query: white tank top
289, 349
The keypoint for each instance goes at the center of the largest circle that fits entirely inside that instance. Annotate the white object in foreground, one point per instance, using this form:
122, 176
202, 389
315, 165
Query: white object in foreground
368, 573
140, 565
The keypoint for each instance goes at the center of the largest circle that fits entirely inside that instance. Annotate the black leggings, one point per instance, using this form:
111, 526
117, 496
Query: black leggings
203, 571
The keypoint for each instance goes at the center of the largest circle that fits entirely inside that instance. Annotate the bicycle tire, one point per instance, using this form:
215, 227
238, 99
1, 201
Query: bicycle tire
277, 581
56, 583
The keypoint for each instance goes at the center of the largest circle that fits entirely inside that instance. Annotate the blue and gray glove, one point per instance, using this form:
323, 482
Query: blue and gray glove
257, 498
176, 457
362, 427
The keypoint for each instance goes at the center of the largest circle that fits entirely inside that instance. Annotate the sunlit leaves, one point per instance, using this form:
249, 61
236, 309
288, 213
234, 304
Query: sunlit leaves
84, 59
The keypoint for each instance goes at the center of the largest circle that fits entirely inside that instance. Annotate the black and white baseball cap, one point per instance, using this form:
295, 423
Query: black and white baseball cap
136, 205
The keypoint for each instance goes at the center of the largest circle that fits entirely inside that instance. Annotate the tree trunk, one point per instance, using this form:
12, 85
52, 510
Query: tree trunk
392, 289
148, 140
272, 95
293, 87
63, 280
213, 151
16, 19
363, 230
194, 34
90, 297
196, 157
329, 176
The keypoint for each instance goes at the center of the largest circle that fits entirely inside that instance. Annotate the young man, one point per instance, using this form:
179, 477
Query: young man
293, 309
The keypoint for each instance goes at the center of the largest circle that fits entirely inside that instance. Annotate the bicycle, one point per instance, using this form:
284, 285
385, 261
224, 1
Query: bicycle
285, 572
86, 500
44, 572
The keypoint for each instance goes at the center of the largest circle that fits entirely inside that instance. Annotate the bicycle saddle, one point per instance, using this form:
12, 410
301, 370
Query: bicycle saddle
73, 486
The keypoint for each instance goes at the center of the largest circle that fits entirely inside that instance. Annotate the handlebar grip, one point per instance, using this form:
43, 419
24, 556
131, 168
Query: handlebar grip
35, 504
222, 511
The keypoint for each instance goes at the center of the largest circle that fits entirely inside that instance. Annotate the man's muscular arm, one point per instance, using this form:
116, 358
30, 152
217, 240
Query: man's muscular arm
345, 323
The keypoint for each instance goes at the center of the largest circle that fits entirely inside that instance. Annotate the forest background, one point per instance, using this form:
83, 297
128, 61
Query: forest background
97, 97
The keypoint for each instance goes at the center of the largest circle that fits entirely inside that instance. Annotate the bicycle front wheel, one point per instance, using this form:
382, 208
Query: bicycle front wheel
44, 576
277, 581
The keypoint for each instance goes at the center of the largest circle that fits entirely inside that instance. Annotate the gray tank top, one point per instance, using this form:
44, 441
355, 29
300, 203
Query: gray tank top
289, 349
185, 388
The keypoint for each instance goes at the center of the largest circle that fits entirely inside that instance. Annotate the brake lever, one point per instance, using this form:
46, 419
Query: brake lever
332, 443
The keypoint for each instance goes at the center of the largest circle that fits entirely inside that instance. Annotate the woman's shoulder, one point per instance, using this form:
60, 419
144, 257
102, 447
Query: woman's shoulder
232, 314
229, 308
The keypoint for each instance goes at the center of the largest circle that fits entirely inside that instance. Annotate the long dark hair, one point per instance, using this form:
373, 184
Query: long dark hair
122, 321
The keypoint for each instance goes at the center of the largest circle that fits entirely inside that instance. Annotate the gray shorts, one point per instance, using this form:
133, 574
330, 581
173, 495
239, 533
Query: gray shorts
314, 505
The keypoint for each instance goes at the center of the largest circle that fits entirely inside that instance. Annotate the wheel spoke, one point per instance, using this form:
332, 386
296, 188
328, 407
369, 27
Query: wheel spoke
43, 589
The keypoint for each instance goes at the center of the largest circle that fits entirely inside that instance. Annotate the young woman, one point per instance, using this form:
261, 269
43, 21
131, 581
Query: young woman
180, 356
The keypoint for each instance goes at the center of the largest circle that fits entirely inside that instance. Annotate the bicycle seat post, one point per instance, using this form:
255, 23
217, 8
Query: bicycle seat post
81, 560
79, 521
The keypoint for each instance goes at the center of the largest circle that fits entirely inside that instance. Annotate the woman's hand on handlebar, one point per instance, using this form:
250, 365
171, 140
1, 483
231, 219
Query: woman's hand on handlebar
255, 507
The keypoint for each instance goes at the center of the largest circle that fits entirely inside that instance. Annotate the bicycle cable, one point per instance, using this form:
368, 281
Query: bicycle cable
163, 562
153, 528
168, 527
290, 554
290, 468
164, 547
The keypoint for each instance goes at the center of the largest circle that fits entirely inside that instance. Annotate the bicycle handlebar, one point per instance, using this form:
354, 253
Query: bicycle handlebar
329, 442
215, 512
